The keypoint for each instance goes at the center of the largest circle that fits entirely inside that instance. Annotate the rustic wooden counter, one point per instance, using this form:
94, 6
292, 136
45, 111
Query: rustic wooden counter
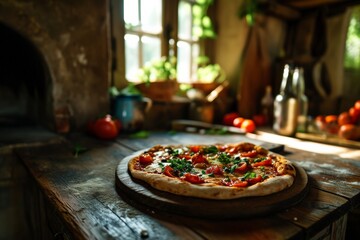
78, 199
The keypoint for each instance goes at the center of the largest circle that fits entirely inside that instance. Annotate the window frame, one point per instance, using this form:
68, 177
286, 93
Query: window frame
170, 31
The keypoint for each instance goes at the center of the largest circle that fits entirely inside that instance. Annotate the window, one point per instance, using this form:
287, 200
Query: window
188, 44
143, 29
147, 30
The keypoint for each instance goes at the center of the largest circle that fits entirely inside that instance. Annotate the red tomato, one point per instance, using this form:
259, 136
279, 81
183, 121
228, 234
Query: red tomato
357, 105
355, 114
254, 180
169, 171
331, 119
248, 125
239, 183
349, 131
217, 170
145, 159
193, 178
242, 168
198, 158
344, 118
195, 148
251, 153
228, 118
259, 119
105, 128
238, 121
265, 162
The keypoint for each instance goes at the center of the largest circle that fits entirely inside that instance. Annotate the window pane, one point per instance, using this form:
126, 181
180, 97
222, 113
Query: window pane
195, 55
151, 15
131, 12
183, 62
131, 56
151, 48
185, 20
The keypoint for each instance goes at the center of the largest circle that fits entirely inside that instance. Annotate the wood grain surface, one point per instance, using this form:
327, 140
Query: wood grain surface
82, 192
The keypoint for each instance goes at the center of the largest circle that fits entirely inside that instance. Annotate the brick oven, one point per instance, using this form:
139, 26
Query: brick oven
54, 77
54, 62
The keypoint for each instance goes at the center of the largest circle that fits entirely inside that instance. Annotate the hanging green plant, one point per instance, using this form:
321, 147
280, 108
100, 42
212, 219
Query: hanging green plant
202, 24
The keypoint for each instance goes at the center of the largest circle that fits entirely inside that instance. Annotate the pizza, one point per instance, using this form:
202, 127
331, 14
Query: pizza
219, 171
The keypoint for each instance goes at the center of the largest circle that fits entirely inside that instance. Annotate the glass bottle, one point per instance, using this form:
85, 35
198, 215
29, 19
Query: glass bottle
286, 105
302, 99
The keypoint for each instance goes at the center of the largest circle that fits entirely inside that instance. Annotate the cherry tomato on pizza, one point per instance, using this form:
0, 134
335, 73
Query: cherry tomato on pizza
254, 180
239, 183
241, 168
145, 159
215, 169
198, 158
251, 153
193, 178
195, 148
266, 162
169, 171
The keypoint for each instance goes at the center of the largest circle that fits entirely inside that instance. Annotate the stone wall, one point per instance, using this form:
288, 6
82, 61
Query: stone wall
73, 39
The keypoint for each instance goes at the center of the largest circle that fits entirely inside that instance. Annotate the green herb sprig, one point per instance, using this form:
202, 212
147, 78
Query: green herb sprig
180, 166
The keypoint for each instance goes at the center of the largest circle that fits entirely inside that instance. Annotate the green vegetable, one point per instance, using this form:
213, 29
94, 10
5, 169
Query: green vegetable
210, 149
180, 166
224, 158
175, 152
79, 149
259, 159
248, 175
233, 167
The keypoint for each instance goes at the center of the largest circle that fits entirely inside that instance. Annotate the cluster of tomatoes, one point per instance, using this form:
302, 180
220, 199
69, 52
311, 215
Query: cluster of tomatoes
346, 124
234, 119
106, 127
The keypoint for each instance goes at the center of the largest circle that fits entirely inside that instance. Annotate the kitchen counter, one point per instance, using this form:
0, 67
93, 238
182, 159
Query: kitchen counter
73, 185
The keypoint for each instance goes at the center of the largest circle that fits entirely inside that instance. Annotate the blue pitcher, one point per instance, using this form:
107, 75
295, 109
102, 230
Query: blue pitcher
130, 110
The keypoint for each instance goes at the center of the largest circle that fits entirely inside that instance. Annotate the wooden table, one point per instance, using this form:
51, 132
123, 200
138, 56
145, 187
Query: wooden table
77, 197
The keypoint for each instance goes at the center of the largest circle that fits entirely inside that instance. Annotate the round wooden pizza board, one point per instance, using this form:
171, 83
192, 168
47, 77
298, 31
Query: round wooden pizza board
142, 194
